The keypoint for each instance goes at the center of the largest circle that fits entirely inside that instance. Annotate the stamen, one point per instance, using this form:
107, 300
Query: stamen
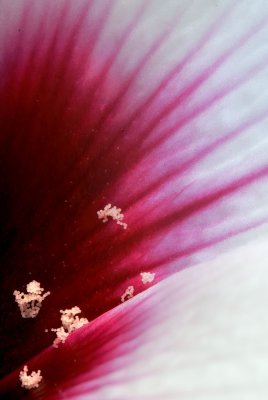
128, 294
70, 322
147, 277
30, 302
30, 381
114, 213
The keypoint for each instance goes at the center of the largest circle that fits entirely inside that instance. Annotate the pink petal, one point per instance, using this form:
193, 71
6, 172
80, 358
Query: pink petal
200, 334
169, 126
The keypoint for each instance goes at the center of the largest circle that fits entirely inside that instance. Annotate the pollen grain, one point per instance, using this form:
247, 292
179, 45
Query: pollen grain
30, 381
128, 294
114, 213
30, 303
70, 323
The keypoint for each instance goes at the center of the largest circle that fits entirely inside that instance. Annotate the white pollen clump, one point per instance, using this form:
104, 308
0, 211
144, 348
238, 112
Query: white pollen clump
70, 322
128, 294
147, 277
30, 302
114, 213
30, 381
34, 288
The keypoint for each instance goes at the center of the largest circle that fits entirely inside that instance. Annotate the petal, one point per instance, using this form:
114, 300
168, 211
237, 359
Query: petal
169, 126
200, 334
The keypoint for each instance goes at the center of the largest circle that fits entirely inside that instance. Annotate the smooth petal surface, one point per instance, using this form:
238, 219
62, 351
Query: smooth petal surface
158, 108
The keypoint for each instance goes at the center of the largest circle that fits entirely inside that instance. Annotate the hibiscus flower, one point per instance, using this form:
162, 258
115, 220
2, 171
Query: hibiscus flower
151, 117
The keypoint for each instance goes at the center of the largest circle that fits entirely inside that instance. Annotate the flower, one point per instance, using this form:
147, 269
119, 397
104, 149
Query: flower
161, 110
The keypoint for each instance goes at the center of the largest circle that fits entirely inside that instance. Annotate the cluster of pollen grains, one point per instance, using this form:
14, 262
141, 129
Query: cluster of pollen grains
30, 381
70, 323
30, 302
147, 277
112, 212
128, 294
